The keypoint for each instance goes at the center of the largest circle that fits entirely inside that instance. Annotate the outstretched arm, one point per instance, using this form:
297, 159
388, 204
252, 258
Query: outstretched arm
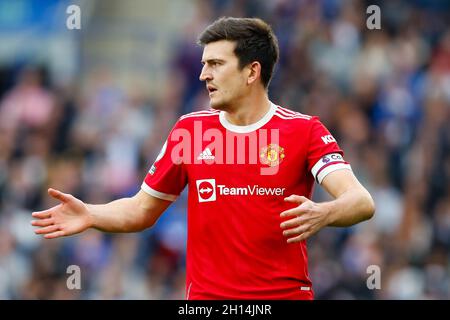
352, 204
73, 216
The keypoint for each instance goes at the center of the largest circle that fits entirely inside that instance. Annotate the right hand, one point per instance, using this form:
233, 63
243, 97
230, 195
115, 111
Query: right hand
71, 216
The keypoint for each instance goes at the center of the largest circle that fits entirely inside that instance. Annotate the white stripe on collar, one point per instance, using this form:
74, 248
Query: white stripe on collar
251, 127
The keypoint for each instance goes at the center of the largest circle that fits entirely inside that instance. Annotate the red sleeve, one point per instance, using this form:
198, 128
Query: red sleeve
167, 177
324, 154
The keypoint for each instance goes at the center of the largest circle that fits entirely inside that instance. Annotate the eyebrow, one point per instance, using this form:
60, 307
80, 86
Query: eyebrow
211, 60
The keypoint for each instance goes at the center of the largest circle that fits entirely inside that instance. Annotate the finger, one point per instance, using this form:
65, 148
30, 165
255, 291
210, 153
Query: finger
295, 231
54, 235
42, 223
294, 211
299, 238
41, 214
63, 197
48, 229
295, 222
296, 199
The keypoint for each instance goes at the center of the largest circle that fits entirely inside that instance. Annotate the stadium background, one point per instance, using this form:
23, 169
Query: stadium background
87, 111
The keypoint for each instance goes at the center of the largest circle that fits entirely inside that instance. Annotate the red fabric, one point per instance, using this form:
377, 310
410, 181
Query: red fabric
235, 246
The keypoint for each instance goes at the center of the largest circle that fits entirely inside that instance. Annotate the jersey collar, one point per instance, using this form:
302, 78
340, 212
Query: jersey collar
251, 127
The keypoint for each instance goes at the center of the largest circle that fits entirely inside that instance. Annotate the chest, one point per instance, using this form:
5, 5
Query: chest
262, 158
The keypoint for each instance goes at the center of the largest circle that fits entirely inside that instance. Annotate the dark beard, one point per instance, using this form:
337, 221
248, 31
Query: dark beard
220, 107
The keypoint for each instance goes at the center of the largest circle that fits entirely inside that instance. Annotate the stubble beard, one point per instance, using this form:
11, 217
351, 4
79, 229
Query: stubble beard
220, 105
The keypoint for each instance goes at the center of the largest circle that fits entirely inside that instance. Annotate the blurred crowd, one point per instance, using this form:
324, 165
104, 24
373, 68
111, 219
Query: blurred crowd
384, 94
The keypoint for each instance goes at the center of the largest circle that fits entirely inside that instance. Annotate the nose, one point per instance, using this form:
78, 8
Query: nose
205, 74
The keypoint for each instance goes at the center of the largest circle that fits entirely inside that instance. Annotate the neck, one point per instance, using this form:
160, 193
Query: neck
249, 110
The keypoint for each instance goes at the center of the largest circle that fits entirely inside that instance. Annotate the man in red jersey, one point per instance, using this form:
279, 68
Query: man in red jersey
250, 166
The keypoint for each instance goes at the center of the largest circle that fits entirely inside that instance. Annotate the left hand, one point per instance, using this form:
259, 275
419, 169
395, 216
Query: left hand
307, 218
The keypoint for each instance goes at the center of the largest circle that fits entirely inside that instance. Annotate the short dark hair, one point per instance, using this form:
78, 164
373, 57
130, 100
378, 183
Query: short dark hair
255, 41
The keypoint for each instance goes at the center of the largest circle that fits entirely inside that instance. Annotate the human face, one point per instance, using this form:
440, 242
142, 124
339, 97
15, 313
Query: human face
225, 82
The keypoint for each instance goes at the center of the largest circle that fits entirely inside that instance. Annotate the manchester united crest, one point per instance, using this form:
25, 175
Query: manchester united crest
272, 155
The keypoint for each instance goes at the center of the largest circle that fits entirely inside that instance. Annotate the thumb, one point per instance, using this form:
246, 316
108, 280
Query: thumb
296, 199
63, 197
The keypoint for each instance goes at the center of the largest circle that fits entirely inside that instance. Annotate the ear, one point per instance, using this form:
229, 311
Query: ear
254, 72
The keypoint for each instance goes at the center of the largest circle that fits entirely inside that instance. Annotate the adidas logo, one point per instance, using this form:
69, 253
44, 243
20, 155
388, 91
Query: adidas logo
206, 155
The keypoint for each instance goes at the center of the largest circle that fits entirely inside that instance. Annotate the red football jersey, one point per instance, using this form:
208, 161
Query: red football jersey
238, 177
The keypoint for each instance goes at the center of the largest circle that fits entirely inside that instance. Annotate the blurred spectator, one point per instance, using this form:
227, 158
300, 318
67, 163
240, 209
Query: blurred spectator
384, 94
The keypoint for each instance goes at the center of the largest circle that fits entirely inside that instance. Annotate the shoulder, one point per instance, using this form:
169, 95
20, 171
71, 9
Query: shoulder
190, 117
293, 118
287, 114
188, 120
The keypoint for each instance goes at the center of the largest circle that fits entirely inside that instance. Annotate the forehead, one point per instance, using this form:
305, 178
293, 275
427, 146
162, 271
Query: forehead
223, 49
